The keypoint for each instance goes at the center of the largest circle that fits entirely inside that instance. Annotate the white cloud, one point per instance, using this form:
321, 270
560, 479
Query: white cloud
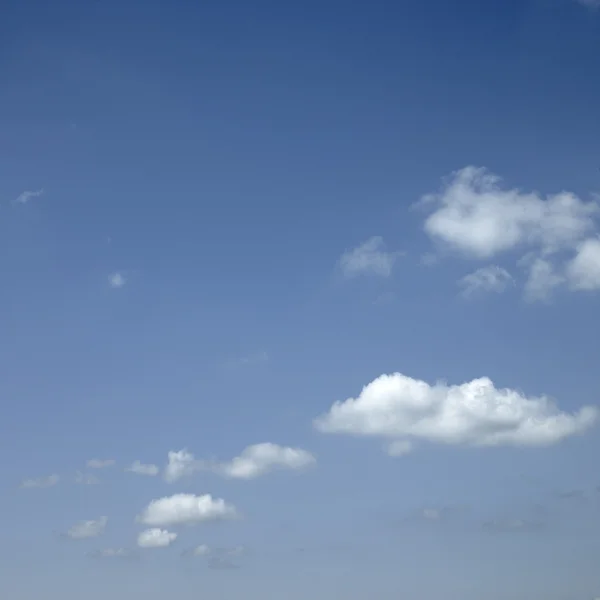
25, 197
117, 280
259, 459
399, 448
542, 280
140, 468
180, 464
183, 509
155, 538
88, 529
370, 258
254, 461
397, 407
475, 216
41, 482
97, 463
486, 279
201, 550
583, 272
86, 478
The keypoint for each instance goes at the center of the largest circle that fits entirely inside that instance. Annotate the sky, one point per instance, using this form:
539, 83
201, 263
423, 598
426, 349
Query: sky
299, 299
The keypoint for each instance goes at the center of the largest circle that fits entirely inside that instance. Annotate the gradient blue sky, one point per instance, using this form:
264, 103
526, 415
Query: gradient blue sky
224, 159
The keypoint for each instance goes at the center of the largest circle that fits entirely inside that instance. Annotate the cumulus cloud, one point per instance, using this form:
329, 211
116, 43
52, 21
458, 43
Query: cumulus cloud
254, 461
25, 197
86, 478
156, 538
88, 529
475, 216
181, 509
182, 463
486, 279
583, 272
140, 468
41, 482
259, 459
476, 413
370, 258
97, 463
117, 280
478, 218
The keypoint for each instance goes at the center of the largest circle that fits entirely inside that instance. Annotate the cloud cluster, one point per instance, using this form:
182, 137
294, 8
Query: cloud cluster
186, 509
399, 408
475, 217
254, 461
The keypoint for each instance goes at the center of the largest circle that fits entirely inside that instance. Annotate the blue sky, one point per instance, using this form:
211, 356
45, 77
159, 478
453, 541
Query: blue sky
218, 220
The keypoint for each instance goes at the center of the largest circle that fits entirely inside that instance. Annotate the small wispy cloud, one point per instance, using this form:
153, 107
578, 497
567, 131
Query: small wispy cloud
88, 529
369, 258
254, 359
513, 525
492, 278
40, 482
590, 3
140, 468
117, 280
112, 553
97, 463
26, 196
86, 479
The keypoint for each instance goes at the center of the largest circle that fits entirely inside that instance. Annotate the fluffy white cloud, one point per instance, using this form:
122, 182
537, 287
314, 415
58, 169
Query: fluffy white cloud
88, 529
25, 197
486, 279
370, 258
156, 538
86, 478
97, 463
117, 280
183, 509
397, 407
140, 468
180, 464
41, 482
474, 215
259, 459
583, 272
